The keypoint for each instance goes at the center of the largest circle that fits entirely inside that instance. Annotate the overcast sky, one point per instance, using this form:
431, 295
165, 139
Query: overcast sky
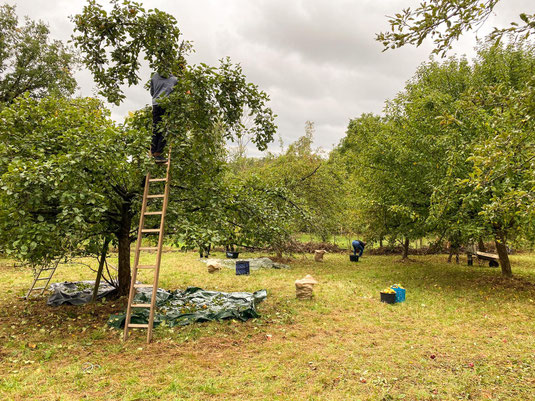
317, 59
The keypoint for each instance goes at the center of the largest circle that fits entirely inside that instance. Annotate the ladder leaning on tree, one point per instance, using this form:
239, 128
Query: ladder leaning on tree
156, 266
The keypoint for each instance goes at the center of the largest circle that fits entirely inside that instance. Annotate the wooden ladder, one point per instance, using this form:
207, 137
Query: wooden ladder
38, 278
156, 266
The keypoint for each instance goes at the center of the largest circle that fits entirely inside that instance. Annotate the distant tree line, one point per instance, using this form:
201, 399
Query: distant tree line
454, 153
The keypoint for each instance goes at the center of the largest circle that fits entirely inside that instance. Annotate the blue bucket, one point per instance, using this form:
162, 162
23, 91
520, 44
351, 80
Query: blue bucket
242, 267
400, 293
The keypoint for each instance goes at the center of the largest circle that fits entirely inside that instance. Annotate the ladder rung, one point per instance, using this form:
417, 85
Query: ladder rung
146, 267
143, 285
157, 179
152, 213
50, 268
43, 278
38, 288
140, 305
156, 196
150, 230
138, 326
148, 248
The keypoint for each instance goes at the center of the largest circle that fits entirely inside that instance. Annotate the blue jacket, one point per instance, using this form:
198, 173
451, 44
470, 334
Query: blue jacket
358, 243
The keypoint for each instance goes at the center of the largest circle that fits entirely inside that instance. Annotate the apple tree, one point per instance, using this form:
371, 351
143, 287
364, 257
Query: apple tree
70, 179
30, 61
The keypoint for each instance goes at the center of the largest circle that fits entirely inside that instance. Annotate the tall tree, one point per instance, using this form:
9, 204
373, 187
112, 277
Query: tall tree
30, 61
500, 109
388, 158
85, 172
205, 109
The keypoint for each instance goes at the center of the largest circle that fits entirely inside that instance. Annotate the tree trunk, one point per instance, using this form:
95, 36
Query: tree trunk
450, 254
123, 237
381, 241
406, 249
481, 245
502, 253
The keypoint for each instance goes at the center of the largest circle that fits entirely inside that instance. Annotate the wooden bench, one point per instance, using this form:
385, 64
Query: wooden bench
494, 260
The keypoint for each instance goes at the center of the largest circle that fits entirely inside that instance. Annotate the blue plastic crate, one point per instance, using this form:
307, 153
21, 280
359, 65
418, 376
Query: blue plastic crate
400, 293
242, 267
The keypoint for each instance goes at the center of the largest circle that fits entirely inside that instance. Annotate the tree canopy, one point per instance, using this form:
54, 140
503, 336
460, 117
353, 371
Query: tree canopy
32, 62
58, 151
85, 171
452, 155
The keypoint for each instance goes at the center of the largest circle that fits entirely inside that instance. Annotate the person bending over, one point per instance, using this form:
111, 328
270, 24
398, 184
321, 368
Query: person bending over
161, 85
358, 246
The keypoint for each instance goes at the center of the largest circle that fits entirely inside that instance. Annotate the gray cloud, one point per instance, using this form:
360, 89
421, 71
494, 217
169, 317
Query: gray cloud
317, 59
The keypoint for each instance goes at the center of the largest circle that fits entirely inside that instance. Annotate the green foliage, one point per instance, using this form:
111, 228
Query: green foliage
488, 181
356, 151
248, 213
67, 171
445, 21
30, 61
502, 175
205, 110
113, 42
208, 98
210, 205
453, 155
315, 183
390, 169
205, 96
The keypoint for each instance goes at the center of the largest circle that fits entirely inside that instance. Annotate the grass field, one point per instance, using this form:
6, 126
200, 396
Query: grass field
463, 333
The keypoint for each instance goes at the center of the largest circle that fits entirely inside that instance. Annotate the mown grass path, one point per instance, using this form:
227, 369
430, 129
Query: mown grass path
463, 333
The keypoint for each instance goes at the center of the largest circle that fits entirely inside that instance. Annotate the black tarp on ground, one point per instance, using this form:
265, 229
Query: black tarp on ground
76, 293
180, 308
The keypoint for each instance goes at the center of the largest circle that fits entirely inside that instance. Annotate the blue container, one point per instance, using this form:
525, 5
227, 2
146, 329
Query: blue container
353, 258
400, 293
242, 267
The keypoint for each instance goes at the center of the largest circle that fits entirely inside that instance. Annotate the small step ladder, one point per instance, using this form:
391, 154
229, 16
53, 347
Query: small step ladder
39, 279
156, 266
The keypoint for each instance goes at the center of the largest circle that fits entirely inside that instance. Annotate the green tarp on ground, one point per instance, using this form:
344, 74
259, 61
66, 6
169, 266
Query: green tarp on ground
180, 308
